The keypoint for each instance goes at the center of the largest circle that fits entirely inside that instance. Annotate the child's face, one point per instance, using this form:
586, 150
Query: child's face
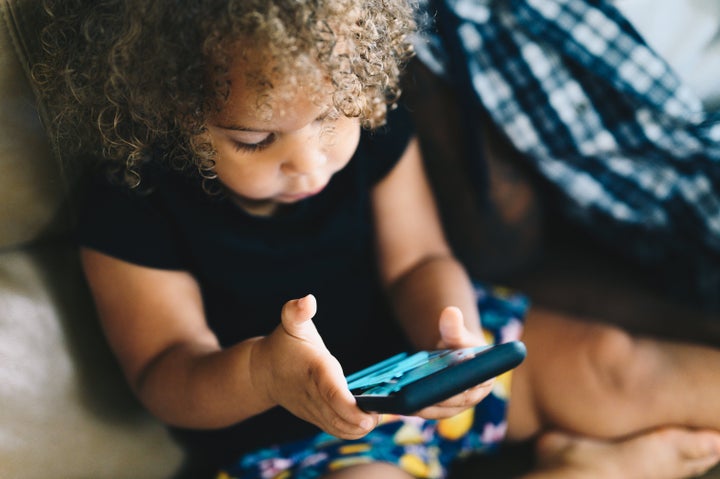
278, 147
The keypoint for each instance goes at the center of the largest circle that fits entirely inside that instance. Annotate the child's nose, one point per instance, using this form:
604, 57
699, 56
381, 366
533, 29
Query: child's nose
304, 159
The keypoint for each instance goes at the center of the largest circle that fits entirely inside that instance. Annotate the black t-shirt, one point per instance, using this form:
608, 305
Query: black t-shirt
248, 267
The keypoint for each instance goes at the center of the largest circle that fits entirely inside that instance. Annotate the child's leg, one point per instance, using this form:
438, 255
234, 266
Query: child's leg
375, 469
596, 380
661, 454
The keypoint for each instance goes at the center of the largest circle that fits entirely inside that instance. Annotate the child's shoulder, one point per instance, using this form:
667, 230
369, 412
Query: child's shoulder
394, 134
384, 145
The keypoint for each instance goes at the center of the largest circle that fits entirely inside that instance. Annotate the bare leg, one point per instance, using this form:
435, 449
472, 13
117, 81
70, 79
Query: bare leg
662, 454
596, 381
376, 469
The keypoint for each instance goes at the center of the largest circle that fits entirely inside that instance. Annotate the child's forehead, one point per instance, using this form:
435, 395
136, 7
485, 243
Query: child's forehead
253, 71
257, 92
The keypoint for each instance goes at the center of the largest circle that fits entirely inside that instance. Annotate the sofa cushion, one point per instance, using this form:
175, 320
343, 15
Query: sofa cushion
65, 408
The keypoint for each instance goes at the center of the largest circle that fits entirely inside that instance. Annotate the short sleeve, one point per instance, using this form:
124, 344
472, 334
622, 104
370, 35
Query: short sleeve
128, 225
385, 145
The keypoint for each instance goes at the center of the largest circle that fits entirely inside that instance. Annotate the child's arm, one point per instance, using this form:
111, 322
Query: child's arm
430, 290
155, 324
416, 263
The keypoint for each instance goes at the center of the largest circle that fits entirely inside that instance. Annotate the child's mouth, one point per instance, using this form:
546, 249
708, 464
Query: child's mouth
301, 196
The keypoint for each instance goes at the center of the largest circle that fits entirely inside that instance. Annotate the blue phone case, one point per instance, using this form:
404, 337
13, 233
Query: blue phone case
406, 383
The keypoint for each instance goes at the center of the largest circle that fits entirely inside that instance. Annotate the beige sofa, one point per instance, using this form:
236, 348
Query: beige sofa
65, 411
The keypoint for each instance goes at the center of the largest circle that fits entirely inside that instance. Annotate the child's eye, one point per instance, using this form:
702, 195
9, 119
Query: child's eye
260, 145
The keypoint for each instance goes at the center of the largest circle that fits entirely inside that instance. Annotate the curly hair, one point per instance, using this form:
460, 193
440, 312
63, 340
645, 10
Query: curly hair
130, 80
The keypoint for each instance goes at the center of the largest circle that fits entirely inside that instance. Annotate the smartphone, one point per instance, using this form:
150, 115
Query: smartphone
405, 383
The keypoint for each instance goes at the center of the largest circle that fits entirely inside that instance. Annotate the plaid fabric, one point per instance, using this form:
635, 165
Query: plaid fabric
601, 117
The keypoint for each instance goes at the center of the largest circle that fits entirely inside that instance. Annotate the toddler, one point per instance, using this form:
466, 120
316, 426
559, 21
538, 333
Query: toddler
259, 225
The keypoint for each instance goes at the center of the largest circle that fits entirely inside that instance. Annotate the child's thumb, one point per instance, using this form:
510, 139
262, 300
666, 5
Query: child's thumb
297, 314
452, 327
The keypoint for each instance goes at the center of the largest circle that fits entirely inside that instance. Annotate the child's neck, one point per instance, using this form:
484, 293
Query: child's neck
256, 208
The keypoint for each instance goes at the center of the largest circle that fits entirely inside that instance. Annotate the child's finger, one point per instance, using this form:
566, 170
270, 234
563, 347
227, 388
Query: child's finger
459, 402
296, 315
341, 404
350, 425
453, 332
451, 325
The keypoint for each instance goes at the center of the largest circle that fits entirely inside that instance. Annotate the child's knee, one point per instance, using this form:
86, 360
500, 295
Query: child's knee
623, 366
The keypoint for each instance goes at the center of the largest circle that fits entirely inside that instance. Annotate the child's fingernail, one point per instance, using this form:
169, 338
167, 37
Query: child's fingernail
307, 299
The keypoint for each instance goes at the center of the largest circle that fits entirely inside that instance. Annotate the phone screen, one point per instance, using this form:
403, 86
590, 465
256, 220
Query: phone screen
406, 383
391, 375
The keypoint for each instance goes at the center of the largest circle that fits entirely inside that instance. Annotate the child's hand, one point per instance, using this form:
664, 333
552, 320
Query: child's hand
454, 335
297, 372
